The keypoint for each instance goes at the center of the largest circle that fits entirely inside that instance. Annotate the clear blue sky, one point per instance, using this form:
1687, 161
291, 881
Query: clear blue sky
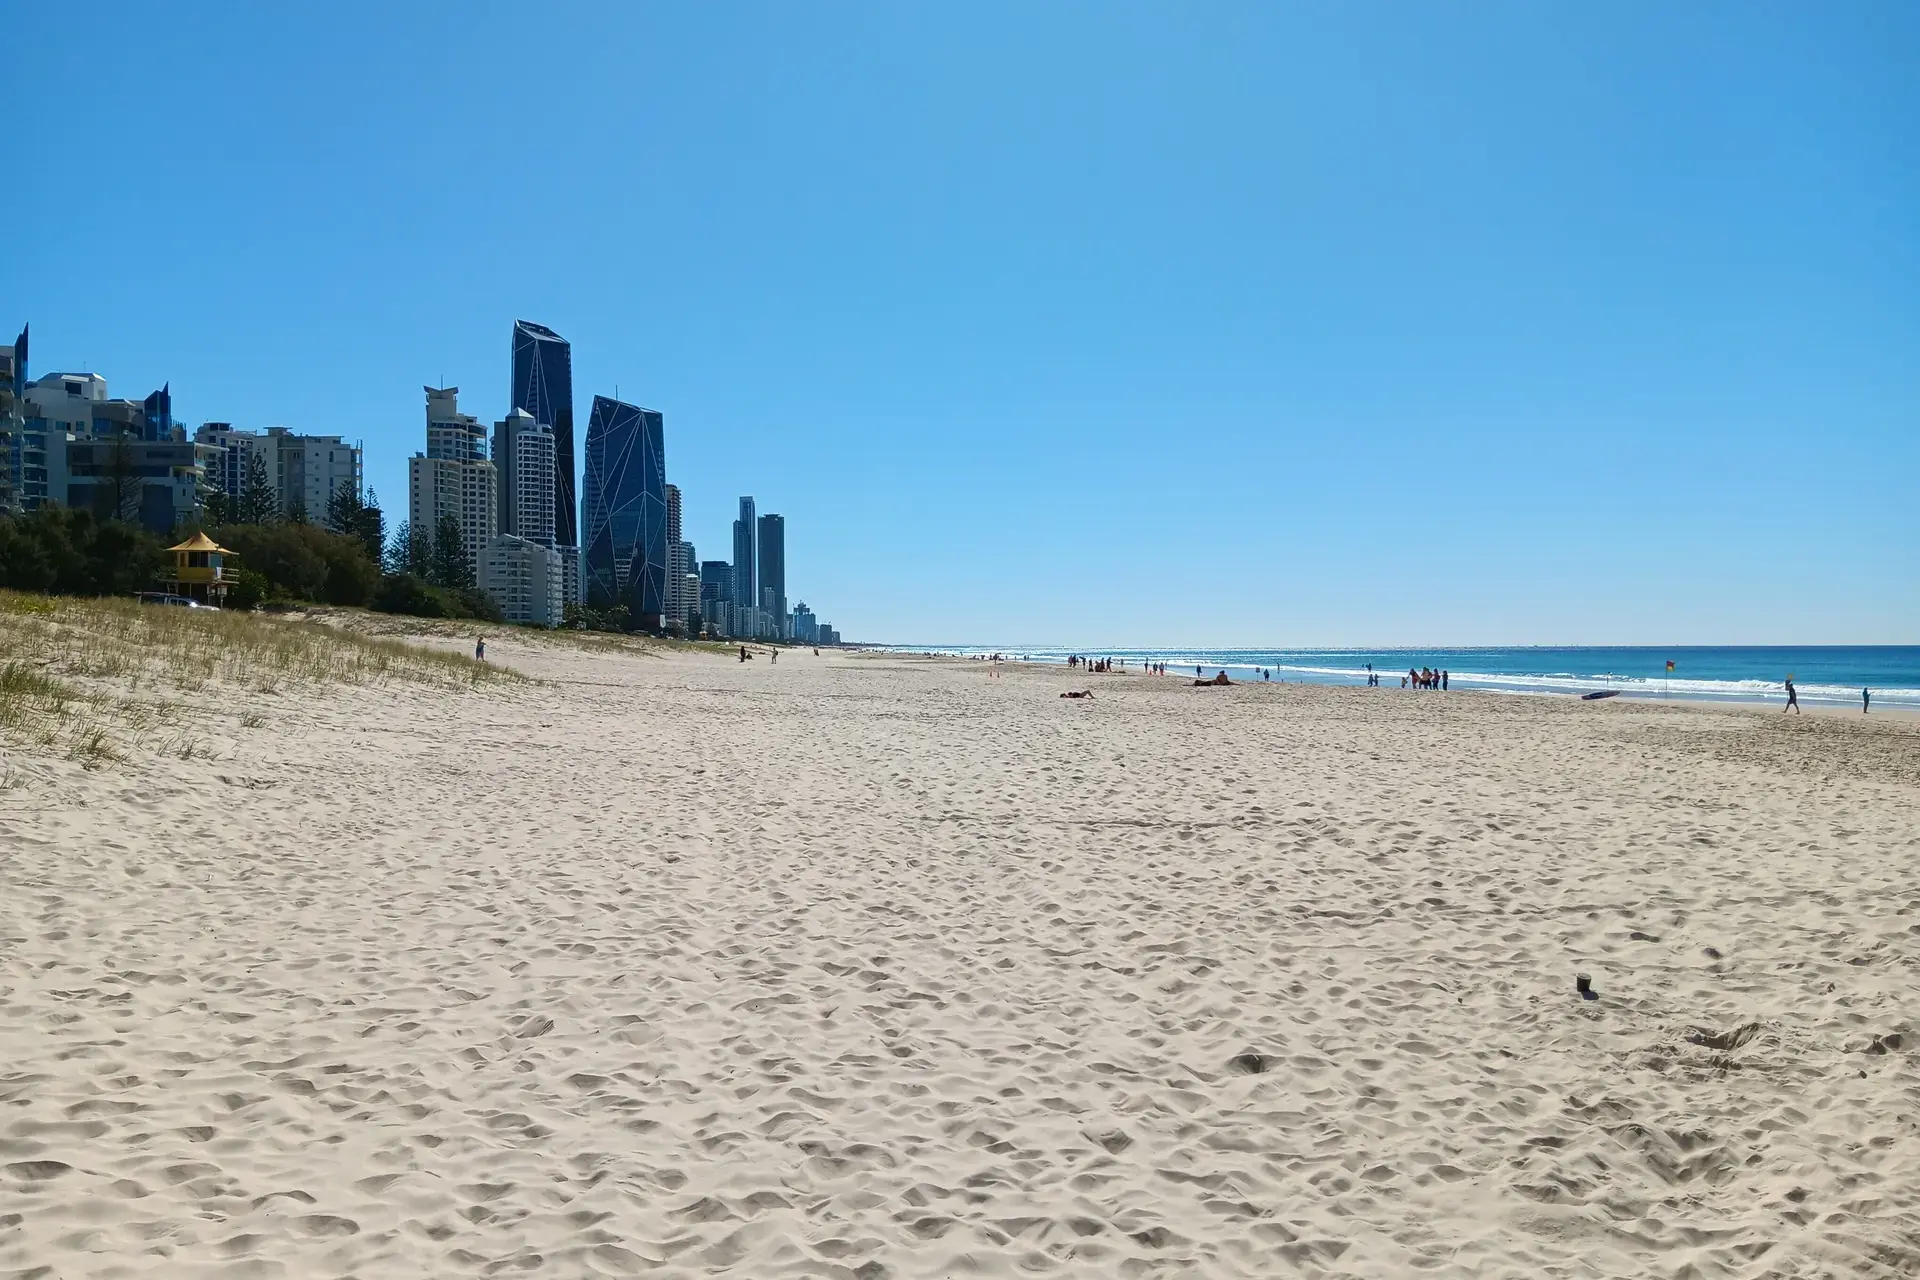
1096, 324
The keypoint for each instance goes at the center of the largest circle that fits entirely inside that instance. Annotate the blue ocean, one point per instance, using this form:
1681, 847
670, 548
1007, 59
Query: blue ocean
1829, 675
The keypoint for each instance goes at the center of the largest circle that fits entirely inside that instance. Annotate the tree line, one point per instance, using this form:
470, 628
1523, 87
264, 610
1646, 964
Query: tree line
283, 557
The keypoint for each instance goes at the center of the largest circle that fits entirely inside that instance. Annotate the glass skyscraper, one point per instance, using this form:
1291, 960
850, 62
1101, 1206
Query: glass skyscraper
773, 568
624, 510
746, 590
543, 388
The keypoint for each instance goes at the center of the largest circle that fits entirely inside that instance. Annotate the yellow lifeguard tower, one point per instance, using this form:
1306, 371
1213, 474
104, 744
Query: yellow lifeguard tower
200, 570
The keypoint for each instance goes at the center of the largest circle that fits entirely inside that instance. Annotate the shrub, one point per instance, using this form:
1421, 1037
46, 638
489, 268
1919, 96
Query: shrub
404, 593
248, 589
303, 561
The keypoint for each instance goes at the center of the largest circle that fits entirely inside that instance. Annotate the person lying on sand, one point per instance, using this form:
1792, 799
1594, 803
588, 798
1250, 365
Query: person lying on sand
1208, 684
1078, 693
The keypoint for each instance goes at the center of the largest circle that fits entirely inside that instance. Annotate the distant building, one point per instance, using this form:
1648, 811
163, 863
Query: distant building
526, 579
773, 569
570, 571
676, 606
156, 484
543, 389
806, 628
54, 409
306, 470
523, 462
227, 466
453, 477
122, 459
13, 425
624, 510
746, 588
309, 470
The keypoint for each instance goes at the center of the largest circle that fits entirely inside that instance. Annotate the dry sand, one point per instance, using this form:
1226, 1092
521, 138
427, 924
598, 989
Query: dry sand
863, 966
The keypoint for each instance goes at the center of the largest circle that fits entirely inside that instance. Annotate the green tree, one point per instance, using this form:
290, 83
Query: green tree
216, 508
293, 569
65, 552
451, 566
257, 502
344, 506
116, 496
247, 590
359, 517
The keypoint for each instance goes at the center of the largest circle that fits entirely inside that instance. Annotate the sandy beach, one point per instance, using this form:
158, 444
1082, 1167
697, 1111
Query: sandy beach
867, 966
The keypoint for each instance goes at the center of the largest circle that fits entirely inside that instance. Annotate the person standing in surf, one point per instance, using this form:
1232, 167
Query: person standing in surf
1866, 699
1793, 699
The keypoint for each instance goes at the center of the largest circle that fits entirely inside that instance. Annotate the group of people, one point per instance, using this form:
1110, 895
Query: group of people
1424, 678
1094, 665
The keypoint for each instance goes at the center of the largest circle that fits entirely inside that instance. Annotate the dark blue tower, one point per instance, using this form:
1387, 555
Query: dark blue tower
543, 388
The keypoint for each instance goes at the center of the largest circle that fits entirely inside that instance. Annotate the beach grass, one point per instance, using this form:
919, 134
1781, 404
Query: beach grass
100, 681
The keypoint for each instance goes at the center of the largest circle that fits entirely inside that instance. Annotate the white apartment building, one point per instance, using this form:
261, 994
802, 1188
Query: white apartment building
54, 409
309, 470
681, 568
526, 579
689, 592
523, 459
454, 477
306, 470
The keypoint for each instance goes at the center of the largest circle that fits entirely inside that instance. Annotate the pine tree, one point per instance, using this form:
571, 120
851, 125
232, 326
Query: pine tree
257, 503
451, 567
371, 528
397, 556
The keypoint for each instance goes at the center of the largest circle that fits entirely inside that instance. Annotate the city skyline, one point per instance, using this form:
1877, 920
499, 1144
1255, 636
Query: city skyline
64, 441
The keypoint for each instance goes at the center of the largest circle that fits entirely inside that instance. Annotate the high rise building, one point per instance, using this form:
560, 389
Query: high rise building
543, 388
454, 477
806, 628
690, 598
746, 590
523, 461
624, 510
227, 470
773, 569
716, 595
13, 422
307, 470
524, 578
675, 608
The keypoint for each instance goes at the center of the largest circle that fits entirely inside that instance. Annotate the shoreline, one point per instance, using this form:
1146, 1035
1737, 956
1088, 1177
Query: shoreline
1755, 702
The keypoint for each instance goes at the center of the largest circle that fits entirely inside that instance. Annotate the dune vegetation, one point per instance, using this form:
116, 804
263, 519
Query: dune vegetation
101, 680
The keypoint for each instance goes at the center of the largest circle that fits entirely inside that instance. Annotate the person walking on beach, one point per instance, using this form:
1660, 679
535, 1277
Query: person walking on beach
479, 648
1443, 682
1793, 699
1866, 697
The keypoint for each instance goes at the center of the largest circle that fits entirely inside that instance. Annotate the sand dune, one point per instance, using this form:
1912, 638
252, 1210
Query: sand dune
862, 967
